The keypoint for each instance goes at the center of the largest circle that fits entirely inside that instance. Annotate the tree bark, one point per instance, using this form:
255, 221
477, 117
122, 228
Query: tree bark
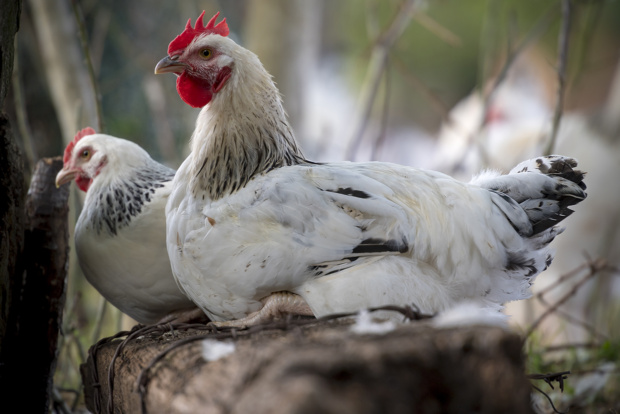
44, 281
39, 292
12, 188
323, 367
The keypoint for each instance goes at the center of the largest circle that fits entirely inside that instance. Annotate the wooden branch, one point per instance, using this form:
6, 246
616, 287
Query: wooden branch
319, 366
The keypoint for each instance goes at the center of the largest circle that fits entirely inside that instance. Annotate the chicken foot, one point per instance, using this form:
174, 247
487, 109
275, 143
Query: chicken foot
275, 306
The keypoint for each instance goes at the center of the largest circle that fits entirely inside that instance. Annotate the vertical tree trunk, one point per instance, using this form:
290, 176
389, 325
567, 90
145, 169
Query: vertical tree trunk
12, 200
43, 295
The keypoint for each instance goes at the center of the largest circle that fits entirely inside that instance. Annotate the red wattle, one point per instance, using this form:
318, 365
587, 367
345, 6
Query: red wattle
194, 91
83, 183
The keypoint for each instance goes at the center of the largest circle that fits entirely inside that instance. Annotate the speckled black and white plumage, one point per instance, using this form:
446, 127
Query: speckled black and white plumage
343, 236
120, 234
116, 205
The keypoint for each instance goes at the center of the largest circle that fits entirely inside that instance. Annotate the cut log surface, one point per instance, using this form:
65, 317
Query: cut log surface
322, 367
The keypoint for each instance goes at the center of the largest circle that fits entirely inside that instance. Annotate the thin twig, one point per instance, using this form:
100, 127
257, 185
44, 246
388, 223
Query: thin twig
564, 277
437, 29
103, 305
570, 318
92, 353
595, 267
59, 404
548, 398
535, 33
384, 118
138, 330
374, 74
79, 19
596, 371
563, 43
592, 16
549, 378
415, 82
562, 347
487, 95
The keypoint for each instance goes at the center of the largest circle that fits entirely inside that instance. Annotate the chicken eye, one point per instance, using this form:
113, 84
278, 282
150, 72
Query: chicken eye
205, 53
85, 153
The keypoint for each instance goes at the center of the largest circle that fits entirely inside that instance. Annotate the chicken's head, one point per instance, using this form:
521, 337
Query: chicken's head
202, 57
81, 161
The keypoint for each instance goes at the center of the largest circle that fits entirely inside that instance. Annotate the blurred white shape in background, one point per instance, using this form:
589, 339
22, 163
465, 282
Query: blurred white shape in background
515, 127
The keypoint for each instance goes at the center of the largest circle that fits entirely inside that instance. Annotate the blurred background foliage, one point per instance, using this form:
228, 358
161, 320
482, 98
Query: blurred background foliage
320, 53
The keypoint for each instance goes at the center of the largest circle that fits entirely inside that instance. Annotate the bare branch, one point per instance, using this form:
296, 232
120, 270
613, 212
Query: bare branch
548, 398
535, 33
437, 29
549, 378
103, 305
416, 83
563, 278
380, 140
570, 318
79, 19
562, 347
561, 70
595, 267
376, 68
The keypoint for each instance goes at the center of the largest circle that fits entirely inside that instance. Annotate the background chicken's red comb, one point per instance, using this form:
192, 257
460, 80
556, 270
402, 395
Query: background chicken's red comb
185, 38
86, 131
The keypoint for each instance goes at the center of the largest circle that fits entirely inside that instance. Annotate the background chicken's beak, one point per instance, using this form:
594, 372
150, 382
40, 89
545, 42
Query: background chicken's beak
64, 176
168, 65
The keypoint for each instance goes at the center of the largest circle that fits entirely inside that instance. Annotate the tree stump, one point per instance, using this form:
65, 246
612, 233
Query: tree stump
43, 286
321, 367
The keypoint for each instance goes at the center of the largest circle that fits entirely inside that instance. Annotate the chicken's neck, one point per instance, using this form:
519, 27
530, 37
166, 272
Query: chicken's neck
113, 204
242, 133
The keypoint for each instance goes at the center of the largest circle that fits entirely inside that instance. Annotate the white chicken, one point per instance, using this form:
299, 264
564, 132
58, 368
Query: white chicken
120, 234
254, 230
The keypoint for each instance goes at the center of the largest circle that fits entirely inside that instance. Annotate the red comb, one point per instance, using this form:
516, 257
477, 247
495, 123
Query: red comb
86, 131
185, 38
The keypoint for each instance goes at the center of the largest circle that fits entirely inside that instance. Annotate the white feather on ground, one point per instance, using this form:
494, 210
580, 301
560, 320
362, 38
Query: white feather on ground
213, 350
366, 323
470, 314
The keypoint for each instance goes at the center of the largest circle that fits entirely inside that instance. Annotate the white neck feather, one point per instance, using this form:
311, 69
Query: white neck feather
243, 132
